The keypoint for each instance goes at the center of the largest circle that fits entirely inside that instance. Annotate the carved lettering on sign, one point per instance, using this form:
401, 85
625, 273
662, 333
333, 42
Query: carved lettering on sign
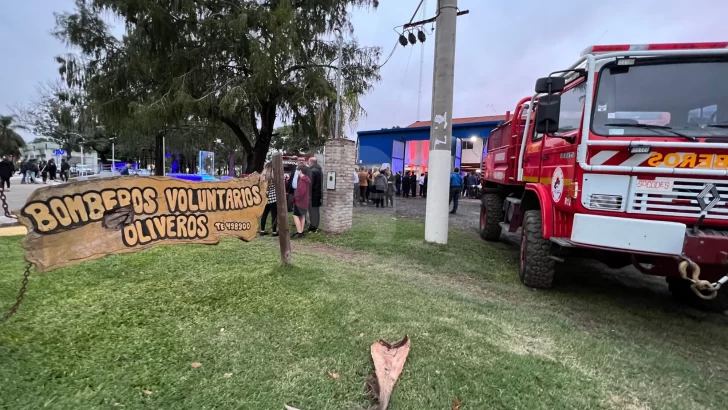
86, 220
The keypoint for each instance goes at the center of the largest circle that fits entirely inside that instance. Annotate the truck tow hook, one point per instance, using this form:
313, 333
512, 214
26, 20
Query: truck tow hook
704, 289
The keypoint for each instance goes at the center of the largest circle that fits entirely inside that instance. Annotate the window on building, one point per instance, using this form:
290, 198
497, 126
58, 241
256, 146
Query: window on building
467, 144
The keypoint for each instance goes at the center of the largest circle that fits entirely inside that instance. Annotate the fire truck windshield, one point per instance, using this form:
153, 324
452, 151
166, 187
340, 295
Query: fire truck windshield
667, 99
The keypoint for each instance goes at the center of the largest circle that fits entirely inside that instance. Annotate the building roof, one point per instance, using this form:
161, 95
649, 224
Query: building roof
464, 120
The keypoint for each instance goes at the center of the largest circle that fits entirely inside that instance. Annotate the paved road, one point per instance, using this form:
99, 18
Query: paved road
466, 218
18, 195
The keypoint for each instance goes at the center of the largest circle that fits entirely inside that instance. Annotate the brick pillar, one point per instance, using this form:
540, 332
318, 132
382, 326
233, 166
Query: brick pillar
336, 212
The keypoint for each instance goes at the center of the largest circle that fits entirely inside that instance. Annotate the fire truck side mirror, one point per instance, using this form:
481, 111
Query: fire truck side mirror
547, 114
556, 84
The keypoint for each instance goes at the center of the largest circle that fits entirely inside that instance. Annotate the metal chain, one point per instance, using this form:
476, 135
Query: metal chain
26, 274
21, 293
5, 202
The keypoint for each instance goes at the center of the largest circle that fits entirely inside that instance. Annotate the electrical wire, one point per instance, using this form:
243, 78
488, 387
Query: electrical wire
396, 43
401, 83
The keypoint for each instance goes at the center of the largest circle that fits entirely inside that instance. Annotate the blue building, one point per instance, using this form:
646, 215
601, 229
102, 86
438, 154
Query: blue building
408, 148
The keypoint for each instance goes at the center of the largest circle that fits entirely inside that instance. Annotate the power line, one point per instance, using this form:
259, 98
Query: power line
401, 83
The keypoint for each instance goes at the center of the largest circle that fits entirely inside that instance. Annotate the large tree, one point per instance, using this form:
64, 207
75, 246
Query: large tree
10, 141
241, 63
62, 114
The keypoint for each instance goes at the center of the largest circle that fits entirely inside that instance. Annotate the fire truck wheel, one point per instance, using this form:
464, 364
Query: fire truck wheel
681, 292
537, 268
491, 215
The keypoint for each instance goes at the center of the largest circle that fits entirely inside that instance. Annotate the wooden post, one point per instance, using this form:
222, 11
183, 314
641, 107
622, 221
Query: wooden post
280, 181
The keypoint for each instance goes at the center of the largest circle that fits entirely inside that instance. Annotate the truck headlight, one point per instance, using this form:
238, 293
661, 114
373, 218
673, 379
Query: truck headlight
602, 202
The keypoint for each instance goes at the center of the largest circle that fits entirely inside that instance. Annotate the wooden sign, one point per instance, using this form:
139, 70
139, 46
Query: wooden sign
86, 220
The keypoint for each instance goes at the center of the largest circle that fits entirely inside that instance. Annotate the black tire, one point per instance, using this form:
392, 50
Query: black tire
681, 292
537, 268
491, 215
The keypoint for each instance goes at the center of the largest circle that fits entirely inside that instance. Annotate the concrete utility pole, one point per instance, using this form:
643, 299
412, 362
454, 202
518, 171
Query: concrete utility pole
438, 191
338, 84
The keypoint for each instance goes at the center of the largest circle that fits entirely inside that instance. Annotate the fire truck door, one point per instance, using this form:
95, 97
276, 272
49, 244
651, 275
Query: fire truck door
558, 156
558, 160
532, 158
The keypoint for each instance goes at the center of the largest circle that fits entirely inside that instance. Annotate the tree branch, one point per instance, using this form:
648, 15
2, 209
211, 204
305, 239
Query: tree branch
306, 67
244, 141
254, 123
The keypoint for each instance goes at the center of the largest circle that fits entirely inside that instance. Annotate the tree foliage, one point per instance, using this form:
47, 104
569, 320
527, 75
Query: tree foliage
10, 141
241, 63
62, 114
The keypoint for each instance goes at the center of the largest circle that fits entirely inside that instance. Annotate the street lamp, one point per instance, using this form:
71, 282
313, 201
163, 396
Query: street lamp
113, 154
81, 137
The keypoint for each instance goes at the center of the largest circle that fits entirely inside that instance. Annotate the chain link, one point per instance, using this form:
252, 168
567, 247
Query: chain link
26, 274
5, 202
21, 293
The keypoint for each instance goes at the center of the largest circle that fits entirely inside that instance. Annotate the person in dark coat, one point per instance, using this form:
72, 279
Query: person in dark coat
52, 169
406, 184
466, 186
65, 167
6, 171
317, 195
389, 195
23, 170
413, 184
44, 171
398, 182
33, 171
379, 189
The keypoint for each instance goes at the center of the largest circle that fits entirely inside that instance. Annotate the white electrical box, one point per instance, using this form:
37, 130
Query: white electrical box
331, 180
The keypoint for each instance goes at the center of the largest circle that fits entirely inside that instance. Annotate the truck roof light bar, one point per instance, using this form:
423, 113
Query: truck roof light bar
597, 49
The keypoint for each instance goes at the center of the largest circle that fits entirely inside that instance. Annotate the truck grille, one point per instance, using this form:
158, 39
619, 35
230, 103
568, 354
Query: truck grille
680, 200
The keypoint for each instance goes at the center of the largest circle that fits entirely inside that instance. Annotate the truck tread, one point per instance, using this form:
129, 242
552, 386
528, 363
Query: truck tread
493, 205
537, 267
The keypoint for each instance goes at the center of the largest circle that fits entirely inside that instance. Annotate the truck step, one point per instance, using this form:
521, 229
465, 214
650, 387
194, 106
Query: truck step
563, 242
514, 200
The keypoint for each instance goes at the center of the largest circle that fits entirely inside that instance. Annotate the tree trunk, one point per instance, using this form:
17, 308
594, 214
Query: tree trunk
256, 159
159, 154
231, 164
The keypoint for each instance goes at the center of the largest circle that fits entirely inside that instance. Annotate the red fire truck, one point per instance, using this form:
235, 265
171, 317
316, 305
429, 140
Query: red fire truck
622, 157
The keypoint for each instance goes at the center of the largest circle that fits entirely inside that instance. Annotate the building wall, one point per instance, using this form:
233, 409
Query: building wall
375, 147
474, 155
46, 151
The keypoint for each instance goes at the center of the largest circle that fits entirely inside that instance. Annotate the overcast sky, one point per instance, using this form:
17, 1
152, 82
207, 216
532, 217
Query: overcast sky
502, 47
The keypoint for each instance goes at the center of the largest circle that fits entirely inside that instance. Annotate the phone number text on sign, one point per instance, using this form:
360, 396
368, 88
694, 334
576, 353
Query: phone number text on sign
233, 226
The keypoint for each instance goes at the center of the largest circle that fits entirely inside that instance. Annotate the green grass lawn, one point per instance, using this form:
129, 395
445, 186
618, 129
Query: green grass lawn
125, 330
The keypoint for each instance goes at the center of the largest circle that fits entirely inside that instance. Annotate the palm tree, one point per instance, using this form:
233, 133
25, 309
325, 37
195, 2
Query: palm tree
10, 141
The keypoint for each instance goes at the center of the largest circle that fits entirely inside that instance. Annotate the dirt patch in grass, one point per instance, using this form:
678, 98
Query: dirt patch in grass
340, 254
618, 402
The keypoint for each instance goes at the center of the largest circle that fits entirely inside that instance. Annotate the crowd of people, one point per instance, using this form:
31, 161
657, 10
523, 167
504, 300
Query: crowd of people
33, 171
304, 197
380, 187
375, 186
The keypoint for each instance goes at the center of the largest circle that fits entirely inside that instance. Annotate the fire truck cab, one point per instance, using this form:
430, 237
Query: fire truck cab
622, 157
